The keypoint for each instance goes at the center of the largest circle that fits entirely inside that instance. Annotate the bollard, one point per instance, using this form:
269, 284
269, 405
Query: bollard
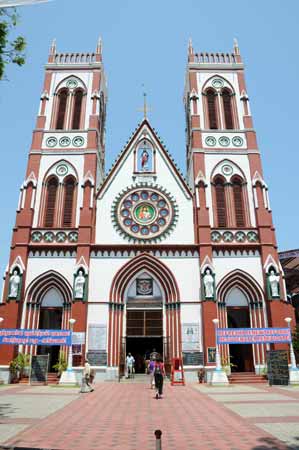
158, 434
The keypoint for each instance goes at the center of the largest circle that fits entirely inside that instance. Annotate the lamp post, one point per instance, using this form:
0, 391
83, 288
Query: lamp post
68, 377
292, 354
219, 376
293, 370
70, 355
218, 360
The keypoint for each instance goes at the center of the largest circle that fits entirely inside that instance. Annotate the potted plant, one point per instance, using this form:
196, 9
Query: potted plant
227, 364
61, 364
19, 367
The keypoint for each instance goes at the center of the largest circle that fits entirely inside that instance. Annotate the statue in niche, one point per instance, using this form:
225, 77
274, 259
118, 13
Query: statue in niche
208, 283
274, 283
14, 284
79, 284
144, 159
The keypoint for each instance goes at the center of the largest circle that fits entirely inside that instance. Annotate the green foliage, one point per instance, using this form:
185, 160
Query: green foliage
295, 337
61, 364
11, 51
18, 364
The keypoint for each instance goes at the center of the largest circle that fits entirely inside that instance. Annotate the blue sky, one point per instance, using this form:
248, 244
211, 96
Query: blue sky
146, 43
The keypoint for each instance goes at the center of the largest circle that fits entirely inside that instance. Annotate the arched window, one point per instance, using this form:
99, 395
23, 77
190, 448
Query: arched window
49, 217
220, 203
212, 109
227, 109
238, 202
76, 122
68, 202
61, 112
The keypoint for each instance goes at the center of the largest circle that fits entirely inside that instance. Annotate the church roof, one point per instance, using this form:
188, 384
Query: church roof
127, 148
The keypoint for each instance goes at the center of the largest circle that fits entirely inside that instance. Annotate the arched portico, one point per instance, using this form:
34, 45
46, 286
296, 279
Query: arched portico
165, 297
240, 302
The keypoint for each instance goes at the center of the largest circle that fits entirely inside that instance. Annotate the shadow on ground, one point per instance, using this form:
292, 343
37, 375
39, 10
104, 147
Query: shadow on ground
5, 410
271, 443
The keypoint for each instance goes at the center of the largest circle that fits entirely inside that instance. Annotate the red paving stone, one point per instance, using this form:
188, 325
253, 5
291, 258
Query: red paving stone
124, 417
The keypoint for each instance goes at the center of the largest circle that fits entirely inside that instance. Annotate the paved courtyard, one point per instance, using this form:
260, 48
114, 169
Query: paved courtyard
124, 417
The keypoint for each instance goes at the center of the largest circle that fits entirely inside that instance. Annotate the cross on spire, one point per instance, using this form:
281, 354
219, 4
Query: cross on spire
145, 108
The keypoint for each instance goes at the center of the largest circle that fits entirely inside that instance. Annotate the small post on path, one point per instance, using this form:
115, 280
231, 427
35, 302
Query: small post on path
158, 434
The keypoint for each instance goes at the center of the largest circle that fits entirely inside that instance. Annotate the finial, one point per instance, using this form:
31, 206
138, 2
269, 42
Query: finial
53, 47
99, 46
190, 47
236, 47
145, 108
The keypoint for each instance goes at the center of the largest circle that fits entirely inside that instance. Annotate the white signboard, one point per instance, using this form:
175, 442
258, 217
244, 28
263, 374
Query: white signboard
78, 338
97, 337
190, 336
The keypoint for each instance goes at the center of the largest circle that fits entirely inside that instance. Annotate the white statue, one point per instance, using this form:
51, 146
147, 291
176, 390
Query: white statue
14, 284
274, 284
79, 285
208, 282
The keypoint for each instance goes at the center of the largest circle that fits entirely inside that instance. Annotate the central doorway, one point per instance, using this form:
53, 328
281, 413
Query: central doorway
144, 333
241, 355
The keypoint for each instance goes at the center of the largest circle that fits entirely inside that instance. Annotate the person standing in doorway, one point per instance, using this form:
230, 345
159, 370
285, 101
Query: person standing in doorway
130, 361
159, 374
154, 355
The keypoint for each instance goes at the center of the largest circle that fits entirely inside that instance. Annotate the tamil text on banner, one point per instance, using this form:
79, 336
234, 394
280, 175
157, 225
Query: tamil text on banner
253, 335
19, 336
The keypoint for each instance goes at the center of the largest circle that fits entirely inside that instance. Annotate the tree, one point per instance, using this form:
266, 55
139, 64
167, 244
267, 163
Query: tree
10, 51
295, 338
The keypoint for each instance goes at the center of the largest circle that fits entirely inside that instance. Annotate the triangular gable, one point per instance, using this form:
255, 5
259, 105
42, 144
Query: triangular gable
128, 148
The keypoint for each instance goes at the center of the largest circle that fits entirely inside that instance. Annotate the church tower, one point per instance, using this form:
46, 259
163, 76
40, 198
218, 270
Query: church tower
233, 219
55, 214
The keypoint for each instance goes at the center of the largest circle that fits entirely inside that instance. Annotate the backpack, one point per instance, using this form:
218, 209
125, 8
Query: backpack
158, 369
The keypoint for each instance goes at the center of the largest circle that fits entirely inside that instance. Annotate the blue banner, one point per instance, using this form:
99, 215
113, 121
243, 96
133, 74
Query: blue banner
20, 336
253, 335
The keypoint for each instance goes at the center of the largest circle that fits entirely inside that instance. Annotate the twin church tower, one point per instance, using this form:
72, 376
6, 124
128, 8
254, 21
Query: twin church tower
140, 257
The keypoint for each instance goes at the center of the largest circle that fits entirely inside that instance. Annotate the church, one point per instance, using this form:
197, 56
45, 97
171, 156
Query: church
143, 257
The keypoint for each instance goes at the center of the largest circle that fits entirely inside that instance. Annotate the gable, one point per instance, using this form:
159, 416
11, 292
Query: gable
146, 169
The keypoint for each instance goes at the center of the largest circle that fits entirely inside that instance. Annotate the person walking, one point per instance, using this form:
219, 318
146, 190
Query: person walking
130, 361
151, 368
159, 374
86, 380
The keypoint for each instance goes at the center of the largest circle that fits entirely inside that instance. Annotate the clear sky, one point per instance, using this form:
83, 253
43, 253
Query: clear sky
146, 43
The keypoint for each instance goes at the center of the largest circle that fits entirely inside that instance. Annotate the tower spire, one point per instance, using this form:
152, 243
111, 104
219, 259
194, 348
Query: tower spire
190, 47
99, 46
236, 47
53, 47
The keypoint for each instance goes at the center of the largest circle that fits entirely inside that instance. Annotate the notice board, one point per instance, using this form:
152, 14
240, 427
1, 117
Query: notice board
277, 365
39, 368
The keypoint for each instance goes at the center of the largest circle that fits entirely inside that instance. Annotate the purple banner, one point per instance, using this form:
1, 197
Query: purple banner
10, 336
253, 335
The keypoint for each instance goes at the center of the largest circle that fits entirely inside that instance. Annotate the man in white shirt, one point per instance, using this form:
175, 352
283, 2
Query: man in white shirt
130, 361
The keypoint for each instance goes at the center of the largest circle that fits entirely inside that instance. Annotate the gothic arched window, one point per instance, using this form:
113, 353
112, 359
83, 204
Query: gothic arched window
77, 109
51, 195
227, 109
238, 202
61, 111
212, 109
220, 203
68, 202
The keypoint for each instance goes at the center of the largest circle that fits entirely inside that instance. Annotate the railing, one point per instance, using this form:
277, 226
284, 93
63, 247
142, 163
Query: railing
215, 58
74, 58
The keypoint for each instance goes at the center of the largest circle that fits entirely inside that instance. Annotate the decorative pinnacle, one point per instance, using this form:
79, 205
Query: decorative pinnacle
236, 47
99, 46
53, 47
190, 47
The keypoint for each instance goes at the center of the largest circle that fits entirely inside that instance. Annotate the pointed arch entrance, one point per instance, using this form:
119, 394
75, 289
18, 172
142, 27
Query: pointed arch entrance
156, 313
241, 305
48, 301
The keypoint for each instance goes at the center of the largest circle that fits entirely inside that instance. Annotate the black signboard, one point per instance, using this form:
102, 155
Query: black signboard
39, 368
97, 357
193, 358
277, 367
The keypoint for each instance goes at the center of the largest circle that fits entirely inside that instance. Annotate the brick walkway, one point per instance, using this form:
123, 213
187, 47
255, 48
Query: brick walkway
124, 417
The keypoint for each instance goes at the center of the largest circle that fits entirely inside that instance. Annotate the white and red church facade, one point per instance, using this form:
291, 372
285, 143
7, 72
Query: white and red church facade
142, 257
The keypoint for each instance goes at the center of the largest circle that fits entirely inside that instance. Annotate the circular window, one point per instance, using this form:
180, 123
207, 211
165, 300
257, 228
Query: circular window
210, 141
51, 141
224, 141
62, 170
72, 83
144, 213
237, 141
217, 83
78, 141
64, 141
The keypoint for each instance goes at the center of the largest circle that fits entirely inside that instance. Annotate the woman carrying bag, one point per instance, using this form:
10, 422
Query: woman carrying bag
159, 374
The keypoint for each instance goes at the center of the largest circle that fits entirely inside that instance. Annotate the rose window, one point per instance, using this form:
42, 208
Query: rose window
144, 213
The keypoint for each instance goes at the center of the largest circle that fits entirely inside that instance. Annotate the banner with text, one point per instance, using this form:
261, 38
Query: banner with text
253, 335
10, 336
